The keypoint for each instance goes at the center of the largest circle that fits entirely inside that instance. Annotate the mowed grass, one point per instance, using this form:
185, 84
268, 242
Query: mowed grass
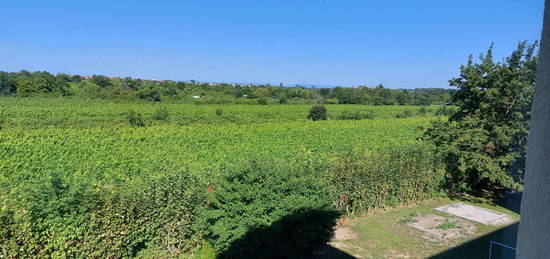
385, 234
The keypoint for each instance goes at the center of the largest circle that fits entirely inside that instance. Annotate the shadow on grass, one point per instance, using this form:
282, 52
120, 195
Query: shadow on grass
479, 247
511, 201
303, 234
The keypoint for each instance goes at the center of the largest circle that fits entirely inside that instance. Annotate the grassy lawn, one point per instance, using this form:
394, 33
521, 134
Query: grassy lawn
387, 235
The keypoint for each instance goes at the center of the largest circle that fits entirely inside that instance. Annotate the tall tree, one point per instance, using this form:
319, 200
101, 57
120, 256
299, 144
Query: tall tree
484, 143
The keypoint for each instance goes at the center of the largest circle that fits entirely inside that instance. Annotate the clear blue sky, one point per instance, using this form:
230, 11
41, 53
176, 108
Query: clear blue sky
403, 44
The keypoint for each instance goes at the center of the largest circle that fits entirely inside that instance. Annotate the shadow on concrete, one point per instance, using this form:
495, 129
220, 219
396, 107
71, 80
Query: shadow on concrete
303, 234
511, 201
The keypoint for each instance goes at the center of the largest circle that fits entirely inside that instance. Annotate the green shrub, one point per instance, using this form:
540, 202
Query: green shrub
283, 99
135, 119
81, 216
355, 115
330, 101
269, 208
262, 101
423, 111
388, 178
206, 252
405, 114
151, 95
317, 113
160, 113
154, 212
445, 111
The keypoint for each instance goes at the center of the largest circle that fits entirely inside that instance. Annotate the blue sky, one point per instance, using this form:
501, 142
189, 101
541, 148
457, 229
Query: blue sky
403, 44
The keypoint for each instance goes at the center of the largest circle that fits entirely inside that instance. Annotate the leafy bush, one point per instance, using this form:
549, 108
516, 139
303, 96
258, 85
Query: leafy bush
405, 114
151, 95
317, 113
283, 99
147, 212
388, 178
445, 111
266, 207
423, 111
135, 119
355, 115
262, 101
80, 216
160, 113
330, 101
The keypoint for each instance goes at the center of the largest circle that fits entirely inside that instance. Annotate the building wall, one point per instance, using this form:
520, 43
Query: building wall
534, 227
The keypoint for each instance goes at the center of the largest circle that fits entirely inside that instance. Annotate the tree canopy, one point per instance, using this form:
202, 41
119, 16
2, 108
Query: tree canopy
25, 83
484, 143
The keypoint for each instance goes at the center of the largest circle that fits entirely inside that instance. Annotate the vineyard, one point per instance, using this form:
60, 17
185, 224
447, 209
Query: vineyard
99, 178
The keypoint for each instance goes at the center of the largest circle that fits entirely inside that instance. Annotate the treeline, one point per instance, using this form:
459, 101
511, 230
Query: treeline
25, 83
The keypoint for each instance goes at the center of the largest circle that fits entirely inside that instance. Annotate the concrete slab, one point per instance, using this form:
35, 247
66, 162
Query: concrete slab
474, 213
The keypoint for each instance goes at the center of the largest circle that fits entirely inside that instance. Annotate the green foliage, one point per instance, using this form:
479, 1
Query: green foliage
331, 101
283, 99
258, 195
405, 114
135, 119
445, 111
101, 81
83, 216
25, 83
409, 218
206, 252
484, 142
3, 121
388, 178
219, 112
447, 225
355, 115
423, 111
151, 95
318, 113
78, 180
262, 101
160, 113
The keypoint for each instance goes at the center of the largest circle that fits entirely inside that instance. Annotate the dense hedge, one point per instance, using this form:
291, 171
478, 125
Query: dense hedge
269, 208
265, 207
81, 216
387, 178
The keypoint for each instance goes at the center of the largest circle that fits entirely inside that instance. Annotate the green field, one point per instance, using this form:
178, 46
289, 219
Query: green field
85, 159
31, 113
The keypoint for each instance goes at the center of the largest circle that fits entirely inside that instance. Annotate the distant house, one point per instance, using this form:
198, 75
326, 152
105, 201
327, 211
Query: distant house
197, 96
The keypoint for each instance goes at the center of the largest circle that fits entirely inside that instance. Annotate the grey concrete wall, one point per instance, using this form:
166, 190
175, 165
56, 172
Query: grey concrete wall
534, 227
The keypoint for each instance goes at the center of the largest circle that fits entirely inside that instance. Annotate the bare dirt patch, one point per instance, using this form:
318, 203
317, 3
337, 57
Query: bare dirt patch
438, 228
344, 233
